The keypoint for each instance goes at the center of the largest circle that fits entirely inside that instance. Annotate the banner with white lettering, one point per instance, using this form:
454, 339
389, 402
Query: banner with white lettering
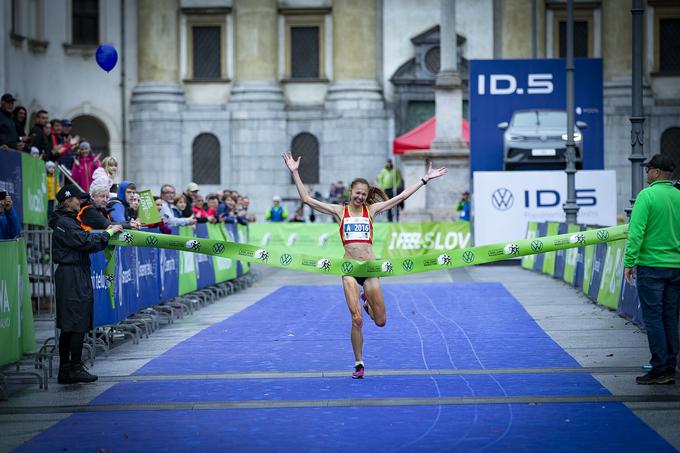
518, 113
425, 237
504, 202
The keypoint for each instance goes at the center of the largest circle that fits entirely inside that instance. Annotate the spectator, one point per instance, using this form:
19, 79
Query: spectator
391, 182
298, 217
52, 186
211, 209
8, 130
190, 194
170, 214
94, 213
277, 213
120, 205
84, 167
245, 204
19, 117
134, 205
71, 248
67, 126
198, 209
62, 151
108, 171
35, 152
162, 226
464, 207
653, 253
37, 132
179, 208
9, 221
48, 155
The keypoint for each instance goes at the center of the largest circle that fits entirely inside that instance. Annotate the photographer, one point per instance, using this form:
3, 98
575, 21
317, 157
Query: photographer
71, 248
9, 222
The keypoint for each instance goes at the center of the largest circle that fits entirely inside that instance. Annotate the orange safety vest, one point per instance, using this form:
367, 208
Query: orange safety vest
80, 217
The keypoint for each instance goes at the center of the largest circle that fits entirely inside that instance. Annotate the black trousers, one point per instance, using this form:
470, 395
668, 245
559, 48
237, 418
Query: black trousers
71, 347
390, 193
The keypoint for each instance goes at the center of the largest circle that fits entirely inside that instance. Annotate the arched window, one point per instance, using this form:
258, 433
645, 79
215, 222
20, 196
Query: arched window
307, 146
670, 146
92, 130
205, 159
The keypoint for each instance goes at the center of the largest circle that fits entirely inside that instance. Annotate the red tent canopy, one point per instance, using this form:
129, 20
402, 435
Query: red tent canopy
422, 136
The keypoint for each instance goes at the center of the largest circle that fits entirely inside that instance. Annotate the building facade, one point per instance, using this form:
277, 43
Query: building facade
214, 91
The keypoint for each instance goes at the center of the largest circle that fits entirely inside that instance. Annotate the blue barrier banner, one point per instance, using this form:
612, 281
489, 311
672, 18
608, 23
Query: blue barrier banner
10, 179
148, 279
597, 270
542, 230
205, 272
126, 280
498, 88
629, 304
105, 313
560, 255
169, 275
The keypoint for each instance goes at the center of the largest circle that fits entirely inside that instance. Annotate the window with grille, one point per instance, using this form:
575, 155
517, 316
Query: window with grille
433, 60
304, 52
580, 39
207, 52
85, 22
205, 159
669, 45
307, 146
670, 146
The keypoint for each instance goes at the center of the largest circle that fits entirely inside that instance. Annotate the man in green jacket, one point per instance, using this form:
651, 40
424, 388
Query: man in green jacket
653, 259
389, 179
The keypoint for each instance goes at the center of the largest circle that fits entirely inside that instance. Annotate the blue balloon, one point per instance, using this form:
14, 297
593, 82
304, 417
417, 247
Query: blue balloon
107, 57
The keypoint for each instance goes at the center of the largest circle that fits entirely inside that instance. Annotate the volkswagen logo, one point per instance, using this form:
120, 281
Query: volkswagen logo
502, 199
468, 256
407, 265
536, 246
603, 235
218, 248
347, 267
286, 259
151, 240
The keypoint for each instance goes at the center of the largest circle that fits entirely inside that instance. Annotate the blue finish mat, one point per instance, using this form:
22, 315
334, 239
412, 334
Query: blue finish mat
438, 326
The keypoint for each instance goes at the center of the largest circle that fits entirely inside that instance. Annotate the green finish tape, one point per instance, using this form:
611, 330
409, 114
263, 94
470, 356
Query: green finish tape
376, 268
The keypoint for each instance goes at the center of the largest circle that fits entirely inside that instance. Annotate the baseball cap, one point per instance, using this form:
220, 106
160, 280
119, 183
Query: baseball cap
66, 122
68, 191
50, 164
192, 187
663, 163
276, 198
7, 97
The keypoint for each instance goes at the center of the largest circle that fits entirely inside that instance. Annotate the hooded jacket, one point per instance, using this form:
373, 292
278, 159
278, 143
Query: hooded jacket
83, 170
120, 209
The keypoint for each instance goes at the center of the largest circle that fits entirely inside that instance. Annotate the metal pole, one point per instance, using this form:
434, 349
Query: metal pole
637, 131
570, 207
533, 29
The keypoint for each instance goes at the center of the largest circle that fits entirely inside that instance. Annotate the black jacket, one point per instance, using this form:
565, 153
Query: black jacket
39, 139
71, 248
8, 130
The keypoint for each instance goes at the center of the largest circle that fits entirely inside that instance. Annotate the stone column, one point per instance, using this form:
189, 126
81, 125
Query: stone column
157, 51
256, 85
448, 148
355, 83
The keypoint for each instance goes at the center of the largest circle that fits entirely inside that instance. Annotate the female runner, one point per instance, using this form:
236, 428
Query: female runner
356, 232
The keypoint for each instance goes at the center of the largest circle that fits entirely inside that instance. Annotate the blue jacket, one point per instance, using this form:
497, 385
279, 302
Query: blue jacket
9, 224
119, 207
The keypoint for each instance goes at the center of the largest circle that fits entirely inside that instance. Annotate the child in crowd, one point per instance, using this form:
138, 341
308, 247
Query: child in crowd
84, 167
52, 186
108, 171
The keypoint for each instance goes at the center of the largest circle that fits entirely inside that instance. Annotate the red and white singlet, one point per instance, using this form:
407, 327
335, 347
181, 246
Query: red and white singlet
356, 229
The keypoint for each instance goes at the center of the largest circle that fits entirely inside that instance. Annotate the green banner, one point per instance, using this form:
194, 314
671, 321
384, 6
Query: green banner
34, 190
570, 257
243, 237
148, 212
375, 268
532, 233
17, 334
549, 260
588, 257
389, 239
410, 239
612, 275
225, 268
187, 263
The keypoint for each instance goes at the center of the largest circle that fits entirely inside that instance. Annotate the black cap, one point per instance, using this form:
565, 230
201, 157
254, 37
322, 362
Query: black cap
7, 97
663, 163
68, 191
66, 122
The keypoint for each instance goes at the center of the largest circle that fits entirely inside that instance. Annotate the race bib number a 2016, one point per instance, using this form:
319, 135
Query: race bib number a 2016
357, 229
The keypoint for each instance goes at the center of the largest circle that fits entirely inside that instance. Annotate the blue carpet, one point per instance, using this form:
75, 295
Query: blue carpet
466, 326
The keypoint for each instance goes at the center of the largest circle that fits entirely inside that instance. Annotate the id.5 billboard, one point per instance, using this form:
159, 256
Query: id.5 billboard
528, 99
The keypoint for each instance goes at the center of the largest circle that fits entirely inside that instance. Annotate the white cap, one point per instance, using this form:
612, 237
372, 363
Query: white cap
192, 187
276, 198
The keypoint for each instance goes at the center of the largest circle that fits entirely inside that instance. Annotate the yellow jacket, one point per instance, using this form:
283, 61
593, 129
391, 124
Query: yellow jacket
52, 186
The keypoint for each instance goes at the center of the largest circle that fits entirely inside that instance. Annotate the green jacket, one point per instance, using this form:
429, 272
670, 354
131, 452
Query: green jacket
654, 230
385, 178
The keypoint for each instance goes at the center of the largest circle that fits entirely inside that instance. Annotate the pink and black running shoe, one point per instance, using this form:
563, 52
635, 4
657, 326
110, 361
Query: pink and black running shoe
358, 372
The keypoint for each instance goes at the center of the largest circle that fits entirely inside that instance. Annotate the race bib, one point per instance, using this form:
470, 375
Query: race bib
357, 229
